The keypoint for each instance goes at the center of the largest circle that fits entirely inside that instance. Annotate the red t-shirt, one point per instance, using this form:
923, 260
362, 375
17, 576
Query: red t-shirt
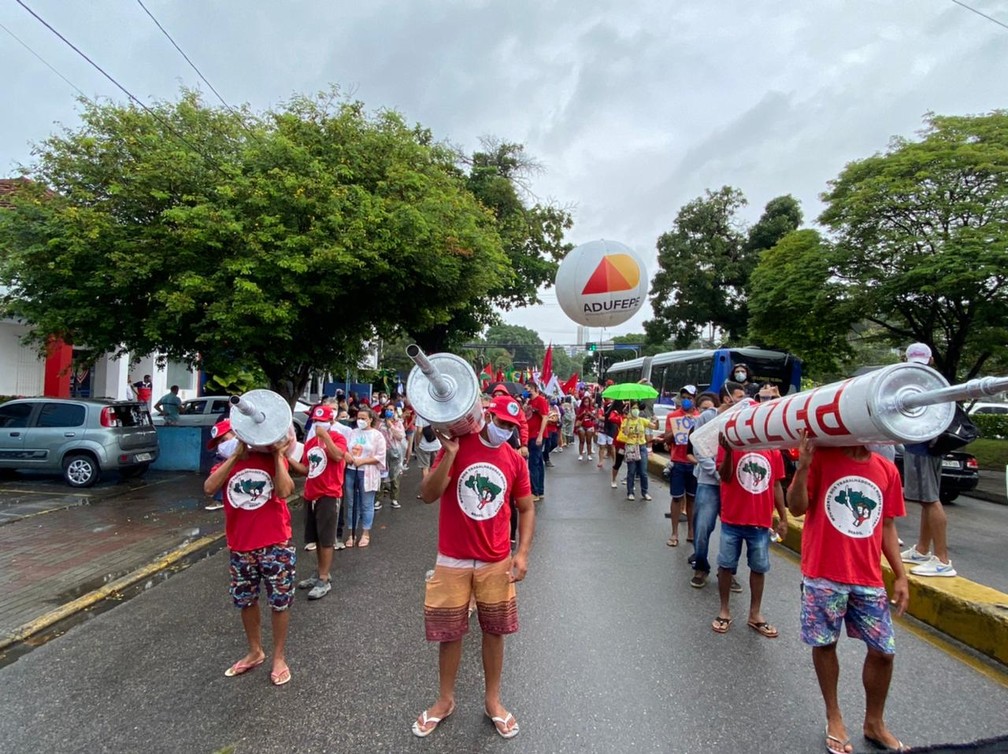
585, 417
679, 423
475, 520
748, 499
325, 475
538, 408
848, 501
254, 517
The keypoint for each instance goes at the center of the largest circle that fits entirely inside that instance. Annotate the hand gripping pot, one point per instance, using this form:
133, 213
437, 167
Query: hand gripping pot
444, 391
261, 419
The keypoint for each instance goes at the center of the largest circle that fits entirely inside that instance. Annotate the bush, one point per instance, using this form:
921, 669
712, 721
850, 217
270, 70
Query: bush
991, 426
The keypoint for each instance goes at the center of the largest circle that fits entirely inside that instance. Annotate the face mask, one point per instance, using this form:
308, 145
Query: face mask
740, 376
363, 424
497, 436
687, 404
388, 414
324, 425
635, 412
226, 448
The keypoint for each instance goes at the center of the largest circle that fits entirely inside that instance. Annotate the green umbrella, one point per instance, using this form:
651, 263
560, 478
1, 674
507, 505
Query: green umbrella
630, 391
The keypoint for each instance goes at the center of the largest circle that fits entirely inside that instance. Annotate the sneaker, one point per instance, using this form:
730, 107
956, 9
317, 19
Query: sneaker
214, 506
405, 467
377, 505
339, 545
613, 485
630, 496
934, 567
311, 546
698, 581
647, 496
735, 586
320, 590
914, 556
396, 504
691, 559
549, 464
309, 582
581, 457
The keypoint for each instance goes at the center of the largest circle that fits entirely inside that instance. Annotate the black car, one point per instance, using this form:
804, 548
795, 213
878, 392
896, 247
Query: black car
960, 473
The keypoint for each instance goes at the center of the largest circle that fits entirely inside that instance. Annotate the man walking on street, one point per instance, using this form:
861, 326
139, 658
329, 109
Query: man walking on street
258, 530
751, 489
852, 498
538, 409
170, 406
682, 481
921, 484
477, 477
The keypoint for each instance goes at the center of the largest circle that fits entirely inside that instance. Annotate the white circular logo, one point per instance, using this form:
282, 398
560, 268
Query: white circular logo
318, 459
753, 473
854, 506
512, 408
250, 489
481, 488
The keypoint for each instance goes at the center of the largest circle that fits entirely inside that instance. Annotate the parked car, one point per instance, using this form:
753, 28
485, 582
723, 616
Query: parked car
988, 408
207, 410
81, 438
960, 473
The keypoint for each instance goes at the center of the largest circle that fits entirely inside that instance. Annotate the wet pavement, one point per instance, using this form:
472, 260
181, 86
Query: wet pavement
615, 652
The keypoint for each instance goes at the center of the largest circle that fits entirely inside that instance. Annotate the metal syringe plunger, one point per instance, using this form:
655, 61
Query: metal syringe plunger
445, 392
261, 419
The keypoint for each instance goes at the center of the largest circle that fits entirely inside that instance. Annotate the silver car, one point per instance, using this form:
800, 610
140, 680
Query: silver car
78, 437
207, 410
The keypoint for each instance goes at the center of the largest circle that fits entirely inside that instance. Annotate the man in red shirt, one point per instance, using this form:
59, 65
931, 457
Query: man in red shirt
682, 482
258, 530
751, 488
851, 497
538, 408
323, 465
477, 477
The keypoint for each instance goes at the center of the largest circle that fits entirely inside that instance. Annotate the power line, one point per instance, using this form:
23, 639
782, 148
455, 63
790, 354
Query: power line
121, 88
981, 13
43, 60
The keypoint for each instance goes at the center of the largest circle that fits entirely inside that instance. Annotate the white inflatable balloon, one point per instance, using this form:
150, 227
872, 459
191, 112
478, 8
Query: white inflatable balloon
601, 283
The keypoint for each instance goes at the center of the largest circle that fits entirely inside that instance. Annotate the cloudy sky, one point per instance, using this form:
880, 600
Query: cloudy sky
632, 107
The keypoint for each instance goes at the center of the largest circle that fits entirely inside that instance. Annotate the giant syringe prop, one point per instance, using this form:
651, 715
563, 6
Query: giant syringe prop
902, 403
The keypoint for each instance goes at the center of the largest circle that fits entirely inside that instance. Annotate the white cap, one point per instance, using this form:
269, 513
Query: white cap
919, 353
691, 389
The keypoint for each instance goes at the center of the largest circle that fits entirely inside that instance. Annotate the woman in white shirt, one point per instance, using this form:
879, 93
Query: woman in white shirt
365, 462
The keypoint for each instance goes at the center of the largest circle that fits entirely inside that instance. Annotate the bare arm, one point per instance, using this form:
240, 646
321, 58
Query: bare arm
797, 496
330, 447
219, 476
726, 469
891, 551
526, 530
283, 484
782, 522
436, 482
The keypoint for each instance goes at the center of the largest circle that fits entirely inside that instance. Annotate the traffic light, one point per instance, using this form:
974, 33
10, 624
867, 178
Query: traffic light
591, 347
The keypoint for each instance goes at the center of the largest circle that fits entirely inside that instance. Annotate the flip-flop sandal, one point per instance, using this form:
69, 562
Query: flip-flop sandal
673, 542
763, 629
900, 746
843, 744
501, 725
721, 625
279, 679
240, 667
424, 720
364, 541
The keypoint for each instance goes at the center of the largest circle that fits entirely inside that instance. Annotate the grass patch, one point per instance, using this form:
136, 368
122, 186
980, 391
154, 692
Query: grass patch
990, 454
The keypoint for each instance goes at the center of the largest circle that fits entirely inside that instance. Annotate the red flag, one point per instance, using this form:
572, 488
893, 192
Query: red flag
570, 386
488, 370
500, 375
547, 370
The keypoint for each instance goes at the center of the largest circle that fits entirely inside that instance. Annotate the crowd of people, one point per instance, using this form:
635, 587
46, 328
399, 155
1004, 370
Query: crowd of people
489, 481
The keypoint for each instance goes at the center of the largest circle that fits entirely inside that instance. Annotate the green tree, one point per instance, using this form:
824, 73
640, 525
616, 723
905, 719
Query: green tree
782, 215
281, 242
922, 239
794, 306
524, 346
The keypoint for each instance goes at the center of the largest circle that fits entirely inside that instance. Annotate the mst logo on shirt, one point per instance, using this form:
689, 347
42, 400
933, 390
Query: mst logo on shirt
753, 473
318, 459
249, 489
854, 506
481, 489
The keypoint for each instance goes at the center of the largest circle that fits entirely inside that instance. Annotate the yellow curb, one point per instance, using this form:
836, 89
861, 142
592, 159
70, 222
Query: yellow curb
91, 598
971, 613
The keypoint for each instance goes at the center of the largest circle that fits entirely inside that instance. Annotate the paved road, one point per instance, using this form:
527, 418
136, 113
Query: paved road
615, 654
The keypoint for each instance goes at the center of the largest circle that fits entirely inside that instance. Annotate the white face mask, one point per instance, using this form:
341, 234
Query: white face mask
227, 448
363, 424
740, 376
324, 425
497, 436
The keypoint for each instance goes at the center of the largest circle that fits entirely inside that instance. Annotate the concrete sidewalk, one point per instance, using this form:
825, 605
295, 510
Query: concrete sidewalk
991, 487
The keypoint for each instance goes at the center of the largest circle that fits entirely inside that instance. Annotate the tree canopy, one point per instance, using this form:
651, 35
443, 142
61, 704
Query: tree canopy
281, 242
922, 240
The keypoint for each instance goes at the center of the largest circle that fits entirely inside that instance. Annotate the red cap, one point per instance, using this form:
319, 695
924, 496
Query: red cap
217, 432
322, 414
505, 408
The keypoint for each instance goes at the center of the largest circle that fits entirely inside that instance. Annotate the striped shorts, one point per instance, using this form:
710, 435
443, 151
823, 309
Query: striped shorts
454, 583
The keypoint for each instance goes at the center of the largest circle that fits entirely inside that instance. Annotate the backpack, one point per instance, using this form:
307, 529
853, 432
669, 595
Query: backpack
959, 433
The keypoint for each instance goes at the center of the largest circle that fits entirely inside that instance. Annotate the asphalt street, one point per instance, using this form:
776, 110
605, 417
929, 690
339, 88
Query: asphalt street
615, 654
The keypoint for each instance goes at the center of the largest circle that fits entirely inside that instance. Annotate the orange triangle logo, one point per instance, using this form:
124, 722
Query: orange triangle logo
616, 272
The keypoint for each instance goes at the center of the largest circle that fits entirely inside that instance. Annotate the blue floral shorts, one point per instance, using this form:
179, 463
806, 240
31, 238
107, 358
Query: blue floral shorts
865, 609
274, 565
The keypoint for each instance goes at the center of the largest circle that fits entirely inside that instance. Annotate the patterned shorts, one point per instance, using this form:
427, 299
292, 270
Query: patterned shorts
275, 565
826, 604
454, 584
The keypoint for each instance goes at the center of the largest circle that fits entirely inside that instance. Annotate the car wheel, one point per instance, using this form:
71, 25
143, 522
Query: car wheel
80, 470
948, 498
132, 472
